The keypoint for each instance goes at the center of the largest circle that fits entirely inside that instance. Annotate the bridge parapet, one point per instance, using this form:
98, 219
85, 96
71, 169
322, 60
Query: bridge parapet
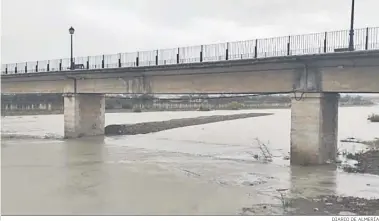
316, 43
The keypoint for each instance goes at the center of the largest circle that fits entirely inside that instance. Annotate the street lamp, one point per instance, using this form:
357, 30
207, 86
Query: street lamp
72, 30
351, 41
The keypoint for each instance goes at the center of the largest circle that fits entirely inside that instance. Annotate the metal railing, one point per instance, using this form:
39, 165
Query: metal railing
317, 43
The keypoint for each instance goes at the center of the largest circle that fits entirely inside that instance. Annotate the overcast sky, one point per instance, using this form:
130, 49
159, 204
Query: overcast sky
38, 29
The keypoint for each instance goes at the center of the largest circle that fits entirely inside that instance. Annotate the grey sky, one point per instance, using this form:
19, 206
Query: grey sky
38, 29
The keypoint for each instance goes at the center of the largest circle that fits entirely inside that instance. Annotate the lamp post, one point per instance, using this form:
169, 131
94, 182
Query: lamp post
71, 31
351, 40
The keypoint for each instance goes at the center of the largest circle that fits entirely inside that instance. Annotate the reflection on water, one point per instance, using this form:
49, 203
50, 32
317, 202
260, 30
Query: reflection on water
311, 182
203, 169
85, 175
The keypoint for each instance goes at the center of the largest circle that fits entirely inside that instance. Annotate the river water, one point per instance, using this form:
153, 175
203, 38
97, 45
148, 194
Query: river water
203, 169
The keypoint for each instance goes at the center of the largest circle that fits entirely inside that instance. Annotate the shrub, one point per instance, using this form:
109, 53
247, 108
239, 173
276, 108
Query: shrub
109, 106
126, 106
137, 109
234, 106
373, 118
204, 108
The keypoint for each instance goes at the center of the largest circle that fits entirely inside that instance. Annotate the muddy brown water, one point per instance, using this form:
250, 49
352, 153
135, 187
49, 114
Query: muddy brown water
203, 169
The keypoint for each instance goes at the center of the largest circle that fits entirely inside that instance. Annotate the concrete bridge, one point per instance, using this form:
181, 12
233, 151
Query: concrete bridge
314, 80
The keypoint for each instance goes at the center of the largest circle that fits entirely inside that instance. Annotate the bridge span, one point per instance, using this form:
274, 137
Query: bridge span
314, 80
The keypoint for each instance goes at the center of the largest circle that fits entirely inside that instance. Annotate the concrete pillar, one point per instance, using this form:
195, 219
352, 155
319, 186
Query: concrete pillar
314, 128
84, 115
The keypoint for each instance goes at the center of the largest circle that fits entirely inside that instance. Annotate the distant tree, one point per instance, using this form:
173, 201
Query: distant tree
185, 97
146, 97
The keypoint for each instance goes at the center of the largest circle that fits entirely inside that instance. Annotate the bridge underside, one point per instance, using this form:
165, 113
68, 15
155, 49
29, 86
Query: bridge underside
334, 79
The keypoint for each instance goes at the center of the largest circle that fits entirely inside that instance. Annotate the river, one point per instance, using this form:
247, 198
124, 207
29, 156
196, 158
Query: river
203, 169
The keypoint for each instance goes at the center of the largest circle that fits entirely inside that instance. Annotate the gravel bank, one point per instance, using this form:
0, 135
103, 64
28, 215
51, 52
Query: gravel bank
151, 127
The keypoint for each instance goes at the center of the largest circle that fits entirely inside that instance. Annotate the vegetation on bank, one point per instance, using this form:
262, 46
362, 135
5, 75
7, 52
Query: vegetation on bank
354, 100
137, 109
373, 118
234, 106
204, 108
367, 161
231, 106
145, 98
202, 102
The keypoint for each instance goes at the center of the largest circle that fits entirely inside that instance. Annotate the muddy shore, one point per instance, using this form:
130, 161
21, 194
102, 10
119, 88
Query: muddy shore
366, 161
324, 205
334, 205
330, 205
151, 127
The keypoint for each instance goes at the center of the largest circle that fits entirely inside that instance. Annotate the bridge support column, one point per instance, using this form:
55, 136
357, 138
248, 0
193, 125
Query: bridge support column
314, 128
84, 115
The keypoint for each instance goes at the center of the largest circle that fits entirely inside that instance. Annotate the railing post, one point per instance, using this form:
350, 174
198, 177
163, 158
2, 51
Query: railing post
88, 62
48, 66
201, 53
26, 67
119, 60
366, 44
60, 65
156, 58
227, 51
326, 35
102, 62
256, 49
37, 67
137, 59
289, 46
177, 57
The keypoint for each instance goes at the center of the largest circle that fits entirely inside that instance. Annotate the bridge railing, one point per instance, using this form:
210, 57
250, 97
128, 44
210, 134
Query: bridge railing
317, 43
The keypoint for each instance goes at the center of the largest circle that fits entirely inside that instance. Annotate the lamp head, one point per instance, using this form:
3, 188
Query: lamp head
71, 30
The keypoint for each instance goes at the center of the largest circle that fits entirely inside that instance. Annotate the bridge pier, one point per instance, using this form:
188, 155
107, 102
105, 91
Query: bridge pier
84, 115
314, 128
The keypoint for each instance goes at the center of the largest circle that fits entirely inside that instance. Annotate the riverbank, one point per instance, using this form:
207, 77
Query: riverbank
152, 127
41, 112
333, 205
262, 106
366, 161
323, 205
